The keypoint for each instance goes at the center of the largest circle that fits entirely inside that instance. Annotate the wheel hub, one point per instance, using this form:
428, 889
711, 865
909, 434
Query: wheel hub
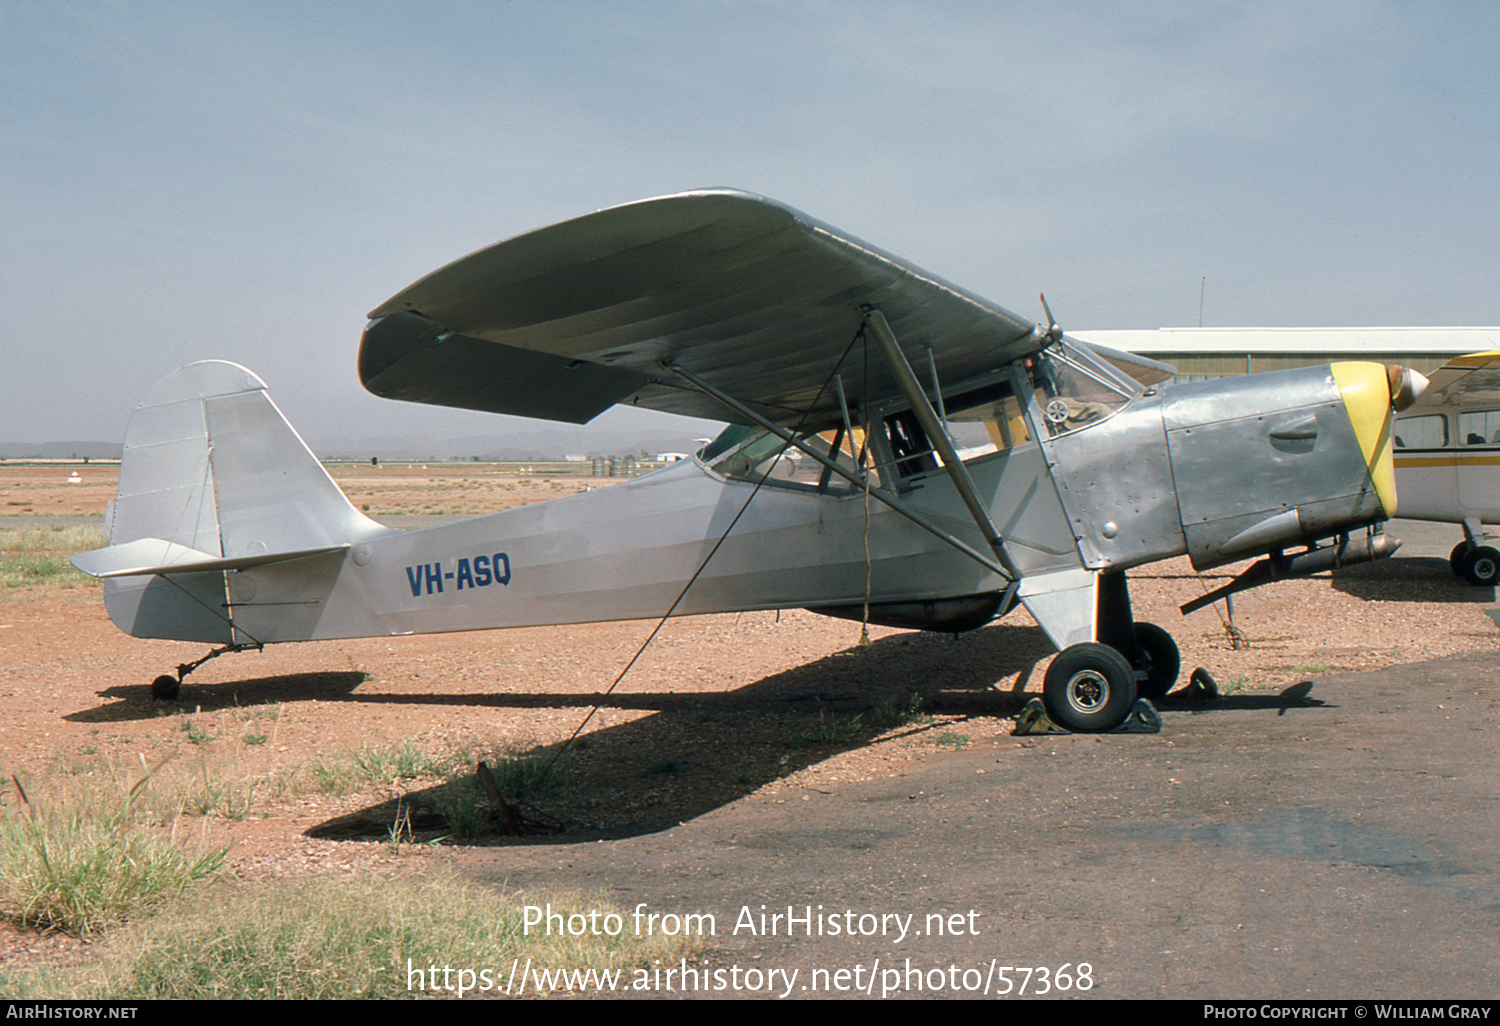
1087, 691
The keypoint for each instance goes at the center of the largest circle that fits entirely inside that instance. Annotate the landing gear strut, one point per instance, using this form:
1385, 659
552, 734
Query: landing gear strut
1148, 648
167, 687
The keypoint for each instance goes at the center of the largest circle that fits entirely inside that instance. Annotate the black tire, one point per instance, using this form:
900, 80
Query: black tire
1159, 657
1089, 688
165, 687
1481, 567
1456, 557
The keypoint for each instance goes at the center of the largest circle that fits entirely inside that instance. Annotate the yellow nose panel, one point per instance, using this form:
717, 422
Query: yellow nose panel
1366, 392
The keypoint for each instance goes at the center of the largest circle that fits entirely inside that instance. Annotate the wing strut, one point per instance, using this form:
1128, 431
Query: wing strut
1009, 573
937, 434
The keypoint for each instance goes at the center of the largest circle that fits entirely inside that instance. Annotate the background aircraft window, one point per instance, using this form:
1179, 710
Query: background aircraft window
1479, 427
1429, 432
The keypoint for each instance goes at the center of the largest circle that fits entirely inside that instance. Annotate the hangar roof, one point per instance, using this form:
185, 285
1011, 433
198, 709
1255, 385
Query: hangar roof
1431, 342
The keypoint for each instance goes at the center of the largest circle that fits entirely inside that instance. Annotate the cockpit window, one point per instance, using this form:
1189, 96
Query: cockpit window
754, 454
914, 454
1073, 388
990, 426
979, 421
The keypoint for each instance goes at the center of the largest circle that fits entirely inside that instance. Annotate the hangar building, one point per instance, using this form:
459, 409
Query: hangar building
1199, 353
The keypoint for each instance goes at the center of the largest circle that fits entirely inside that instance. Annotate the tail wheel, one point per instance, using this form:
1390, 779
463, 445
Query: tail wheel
1159, 658
1089, 688
165, 687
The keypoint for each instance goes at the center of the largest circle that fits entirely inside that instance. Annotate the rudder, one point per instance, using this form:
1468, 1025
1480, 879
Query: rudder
210, 465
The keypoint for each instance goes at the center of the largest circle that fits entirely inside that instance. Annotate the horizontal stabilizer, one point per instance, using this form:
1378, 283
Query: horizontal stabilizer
150, 556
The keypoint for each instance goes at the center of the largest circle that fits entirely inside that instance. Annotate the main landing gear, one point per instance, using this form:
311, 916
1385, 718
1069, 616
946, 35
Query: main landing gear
1089, 688
1477, 564
1092, 686
1477, 558
167, 687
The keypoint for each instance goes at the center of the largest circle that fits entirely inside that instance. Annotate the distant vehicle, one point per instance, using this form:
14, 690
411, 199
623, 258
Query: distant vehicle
899, 450
1447, 450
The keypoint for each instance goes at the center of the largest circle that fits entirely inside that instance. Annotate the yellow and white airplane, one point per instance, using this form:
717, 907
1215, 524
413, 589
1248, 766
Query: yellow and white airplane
1447, 454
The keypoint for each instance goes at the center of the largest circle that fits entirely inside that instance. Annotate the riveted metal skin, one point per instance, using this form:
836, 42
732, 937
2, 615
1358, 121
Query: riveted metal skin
1122, 507
1265, 461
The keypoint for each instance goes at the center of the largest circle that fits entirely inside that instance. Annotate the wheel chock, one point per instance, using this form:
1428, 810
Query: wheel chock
1200, 688
1034, 720
1143, 719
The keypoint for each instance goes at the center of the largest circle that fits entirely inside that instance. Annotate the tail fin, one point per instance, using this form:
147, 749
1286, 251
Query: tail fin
213, 479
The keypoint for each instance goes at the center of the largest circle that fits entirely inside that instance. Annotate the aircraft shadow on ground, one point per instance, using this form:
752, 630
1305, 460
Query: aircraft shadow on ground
698, 752
1409, 579
134, 701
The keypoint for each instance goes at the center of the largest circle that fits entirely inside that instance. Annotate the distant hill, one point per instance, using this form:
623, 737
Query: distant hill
60, 450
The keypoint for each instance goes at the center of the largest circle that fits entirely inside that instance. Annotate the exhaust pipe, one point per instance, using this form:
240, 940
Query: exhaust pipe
1342, 551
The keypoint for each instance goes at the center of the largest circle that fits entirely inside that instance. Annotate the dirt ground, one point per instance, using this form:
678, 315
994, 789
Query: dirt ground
718, 709
391, 489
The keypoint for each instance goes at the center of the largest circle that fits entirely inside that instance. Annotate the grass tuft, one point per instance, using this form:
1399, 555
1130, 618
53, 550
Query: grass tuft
373, 766
892, 712
519, 777
370, 938
836, 731
951, 739
39, 555
79, 867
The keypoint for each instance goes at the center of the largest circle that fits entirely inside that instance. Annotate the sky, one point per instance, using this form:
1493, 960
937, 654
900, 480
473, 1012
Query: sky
246, 180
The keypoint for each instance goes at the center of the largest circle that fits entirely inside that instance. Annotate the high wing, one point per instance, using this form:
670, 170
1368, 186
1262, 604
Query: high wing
753, 297
1472, 380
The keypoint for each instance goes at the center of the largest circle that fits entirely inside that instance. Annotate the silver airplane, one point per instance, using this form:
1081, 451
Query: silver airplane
899, 450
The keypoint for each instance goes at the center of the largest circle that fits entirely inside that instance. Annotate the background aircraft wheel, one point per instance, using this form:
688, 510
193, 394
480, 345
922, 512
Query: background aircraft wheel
1482, 567
1159, 657
1089, 688
165, 686
1456, 557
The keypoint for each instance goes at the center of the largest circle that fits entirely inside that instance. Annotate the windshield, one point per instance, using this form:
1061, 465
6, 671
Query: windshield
1074, 390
